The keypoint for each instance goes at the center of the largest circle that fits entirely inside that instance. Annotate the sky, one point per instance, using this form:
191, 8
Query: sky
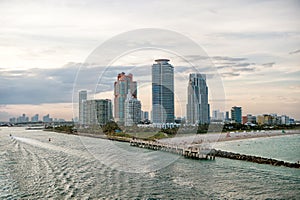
253, 46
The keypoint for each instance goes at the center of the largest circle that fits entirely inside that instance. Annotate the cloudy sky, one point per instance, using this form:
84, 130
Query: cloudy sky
253, 45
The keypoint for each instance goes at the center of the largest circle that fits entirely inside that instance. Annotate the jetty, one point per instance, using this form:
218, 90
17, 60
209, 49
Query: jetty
200, 152
189, 151
255, 159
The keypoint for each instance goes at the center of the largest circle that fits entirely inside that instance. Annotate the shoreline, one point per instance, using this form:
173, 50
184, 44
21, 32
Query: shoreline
257, 136
224, 137
196, 138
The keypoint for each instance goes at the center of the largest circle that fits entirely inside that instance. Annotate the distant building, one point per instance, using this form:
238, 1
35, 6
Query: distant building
217, 115
12, 120
236, 114
97, 111
132, 110
22, 119
251, 119
260, 119
35, 118
227, 116
197, 107
272, 119
162, 92
82, 98
47, 118
123, 84
285, 120
146, 115
244, 119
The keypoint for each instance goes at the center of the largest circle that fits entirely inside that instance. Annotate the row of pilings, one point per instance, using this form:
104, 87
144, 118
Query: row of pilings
193, 152
255, 159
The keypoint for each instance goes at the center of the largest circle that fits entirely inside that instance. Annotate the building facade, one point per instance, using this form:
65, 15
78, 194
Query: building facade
123, 84
197, 108
132, 110
236, 114
82, 99
162, 92
47, 118
97, 111
35, 118
217, 115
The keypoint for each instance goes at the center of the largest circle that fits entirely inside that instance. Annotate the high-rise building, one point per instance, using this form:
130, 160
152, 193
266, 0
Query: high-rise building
22, 119
97, 111
123, 84
47, 118
197, 107
132, 110
35, 118
82, 98
236, 114
162, 92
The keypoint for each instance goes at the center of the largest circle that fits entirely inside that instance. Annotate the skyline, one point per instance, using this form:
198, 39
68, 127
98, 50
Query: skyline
257, 55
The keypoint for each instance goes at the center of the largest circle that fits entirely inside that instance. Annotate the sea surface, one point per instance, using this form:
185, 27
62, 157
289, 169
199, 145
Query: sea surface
74, 167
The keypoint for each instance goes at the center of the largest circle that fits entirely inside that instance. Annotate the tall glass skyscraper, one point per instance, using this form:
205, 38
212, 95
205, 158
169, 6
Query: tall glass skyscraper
162, 92
123, 84
82, 98
197, 108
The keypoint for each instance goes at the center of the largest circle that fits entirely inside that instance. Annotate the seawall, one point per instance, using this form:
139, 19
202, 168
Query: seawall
255, 159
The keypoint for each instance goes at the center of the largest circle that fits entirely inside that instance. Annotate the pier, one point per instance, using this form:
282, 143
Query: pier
199, 152
191, 151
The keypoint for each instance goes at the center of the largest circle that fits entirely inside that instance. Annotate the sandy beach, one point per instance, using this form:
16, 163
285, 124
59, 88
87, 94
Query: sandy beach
220, 137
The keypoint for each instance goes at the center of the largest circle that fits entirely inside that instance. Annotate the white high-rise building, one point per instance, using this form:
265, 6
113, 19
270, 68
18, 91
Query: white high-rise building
197, 106
82, 98
132, 110
97, 111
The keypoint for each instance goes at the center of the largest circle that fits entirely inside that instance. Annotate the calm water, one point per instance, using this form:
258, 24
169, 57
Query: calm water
72, 167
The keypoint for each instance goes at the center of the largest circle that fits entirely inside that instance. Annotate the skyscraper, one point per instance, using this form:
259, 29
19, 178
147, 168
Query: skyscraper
162, 92
197, 107
82, 98
132, 110
97, 111
236, 114
123, 84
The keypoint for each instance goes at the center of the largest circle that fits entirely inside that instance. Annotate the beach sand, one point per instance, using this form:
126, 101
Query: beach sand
219, 137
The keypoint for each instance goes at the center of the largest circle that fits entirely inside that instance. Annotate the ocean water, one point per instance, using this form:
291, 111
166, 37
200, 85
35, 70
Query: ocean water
286, 147
73, 167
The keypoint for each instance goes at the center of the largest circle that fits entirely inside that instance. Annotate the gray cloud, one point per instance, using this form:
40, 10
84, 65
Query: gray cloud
230, 74
226, 58
270, 64
294, 52
36, 86
245, 69
243, 64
